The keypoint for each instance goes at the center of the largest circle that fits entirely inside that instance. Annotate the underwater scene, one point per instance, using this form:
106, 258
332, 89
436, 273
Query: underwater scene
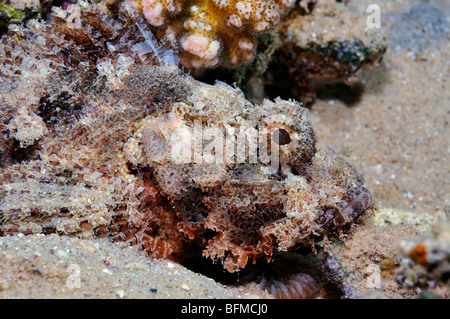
224, 149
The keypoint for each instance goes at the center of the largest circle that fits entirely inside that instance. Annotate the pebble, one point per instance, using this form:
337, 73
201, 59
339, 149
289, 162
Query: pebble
185, 287
120, 293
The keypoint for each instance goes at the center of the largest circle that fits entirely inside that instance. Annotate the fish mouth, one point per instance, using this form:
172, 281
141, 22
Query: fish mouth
333, 217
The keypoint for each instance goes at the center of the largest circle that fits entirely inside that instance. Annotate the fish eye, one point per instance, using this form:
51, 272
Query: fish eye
281, 137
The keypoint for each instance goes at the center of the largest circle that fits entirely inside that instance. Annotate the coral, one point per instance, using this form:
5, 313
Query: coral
427, 259
322, 45
370, 261
10, 12
15, 11
212, 33
367, 261
109, 120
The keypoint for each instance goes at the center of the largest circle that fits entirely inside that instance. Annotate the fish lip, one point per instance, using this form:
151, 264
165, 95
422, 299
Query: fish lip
360, 203
352, 211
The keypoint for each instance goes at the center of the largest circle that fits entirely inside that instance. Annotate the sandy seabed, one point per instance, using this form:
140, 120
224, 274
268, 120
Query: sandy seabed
398, 129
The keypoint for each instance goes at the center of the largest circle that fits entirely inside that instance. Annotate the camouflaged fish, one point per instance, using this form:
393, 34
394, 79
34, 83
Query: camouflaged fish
94, 116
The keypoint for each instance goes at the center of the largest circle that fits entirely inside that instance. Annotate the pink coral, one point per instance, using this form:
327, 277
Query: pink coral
218, 32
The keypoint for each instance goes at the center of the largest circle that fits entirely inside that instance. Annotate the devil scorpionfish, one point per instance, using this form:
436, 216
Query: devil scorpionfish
93, 109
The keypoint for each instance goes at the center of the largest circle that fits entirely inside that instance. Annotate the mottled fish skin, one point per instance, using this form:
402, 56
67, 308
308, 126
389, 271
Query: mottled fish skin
89, 104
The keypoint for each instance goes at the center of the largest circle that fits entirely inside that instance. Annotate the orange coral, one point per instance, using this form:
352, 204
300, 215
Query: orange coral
218, 32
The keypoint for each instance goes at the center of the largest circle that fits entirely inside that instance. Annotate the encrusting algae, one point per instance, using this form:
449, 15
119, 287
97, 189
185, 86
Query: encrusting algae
93, 110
